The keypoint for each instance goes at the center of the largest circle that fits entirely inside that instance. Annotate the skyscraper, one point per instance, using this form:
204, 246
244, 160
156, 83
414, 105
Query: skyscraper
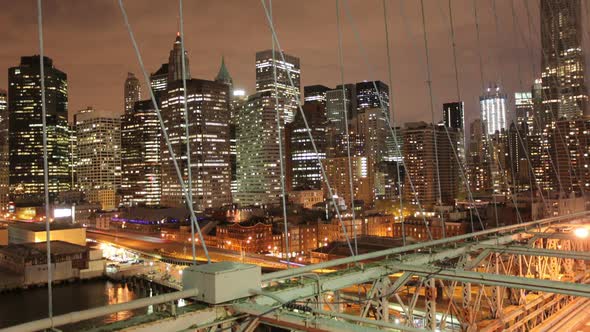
99, 156
4, 155
209, 139
316, 93
570, 151
478, 158
420, 155
306, 172
454, 118
493, 110
525, 111
236, 100
159, 80
454, 115
132, 91
563, 63
140, 156
175, 62
25, 130
337, 172
367, 97
258, 158
224, 77
265, 82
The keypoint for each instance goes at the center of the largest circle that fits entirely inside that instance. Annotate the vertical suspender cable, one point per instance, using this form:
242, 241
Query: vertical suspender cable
345, 115
458, 91
489, 144
315, 149
502, 170
434, 129
189, 183
385, 113
392, 113
163, 128
45, 163
280, 138
519, 136
459, 163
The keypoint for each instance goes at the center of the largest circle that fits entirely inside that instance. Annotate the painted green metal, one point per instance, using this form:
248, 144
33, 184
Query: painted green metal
521, 250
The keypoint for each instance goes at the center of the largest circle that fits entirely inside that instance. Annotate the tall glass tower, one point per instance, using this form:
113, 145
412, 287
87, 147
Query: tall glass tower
493, 110
25, 130
287, 94
564, 89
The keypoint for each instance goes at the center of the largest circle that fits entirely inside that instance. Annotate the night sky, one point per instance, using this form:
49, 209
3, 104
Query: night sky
88, 40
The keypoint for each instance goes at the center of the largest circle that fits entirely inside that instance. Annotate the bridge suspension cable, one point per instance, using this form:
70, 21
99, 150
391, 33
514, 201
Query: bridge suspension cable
392, 111
48, 213
281, 143
346, 129
385, 110
460, 162
164, 131
431, 104
304, 117
189, 181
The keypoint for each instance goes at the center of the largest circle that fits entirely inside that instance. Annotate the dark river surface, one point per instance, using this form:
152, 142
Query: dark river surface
18, 307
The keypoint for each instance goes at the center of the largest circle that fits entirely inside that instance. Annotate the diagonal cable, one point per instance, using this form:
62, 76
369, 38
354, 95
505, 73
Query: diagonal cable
164, 131
347, 134
281, 143
391, 104
434, 129
385, 111
315, 149
186, 130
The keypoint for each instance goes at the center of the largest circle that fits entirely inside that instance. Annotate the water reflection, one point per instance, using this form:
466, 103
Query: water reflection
119, 293
28, 305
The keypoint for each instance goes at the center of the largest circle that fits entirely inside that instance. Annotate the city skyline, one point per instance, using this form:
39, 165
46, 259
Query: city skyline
95, 76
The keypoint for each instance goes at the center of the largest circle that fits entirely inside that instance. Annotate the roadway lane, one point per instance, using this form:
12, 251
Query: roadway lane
173, 249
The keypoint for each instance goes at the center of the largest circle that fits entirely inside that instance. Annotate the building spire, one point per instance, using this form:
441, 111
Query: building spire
223, 75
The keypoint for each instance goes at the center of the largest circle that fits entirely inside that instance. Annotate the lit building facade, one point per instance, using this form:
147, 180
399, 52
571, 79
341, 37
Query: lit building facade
336, 100
367, 97
305, 170
175, 62
288, 95
570, 151
159, 81
132, 92
454, 115
524, 111
209, 137
420, 156
493, 110
338, 174
140, 156
258, 157
99, 156
562, 62
315, 93
25, 130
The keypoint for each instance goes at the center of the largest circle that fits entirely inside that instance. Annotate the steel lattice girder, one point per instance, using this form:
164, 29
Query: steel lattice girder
318, 320
528, 251
367, 273
558, 236
499, 232
489, 279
